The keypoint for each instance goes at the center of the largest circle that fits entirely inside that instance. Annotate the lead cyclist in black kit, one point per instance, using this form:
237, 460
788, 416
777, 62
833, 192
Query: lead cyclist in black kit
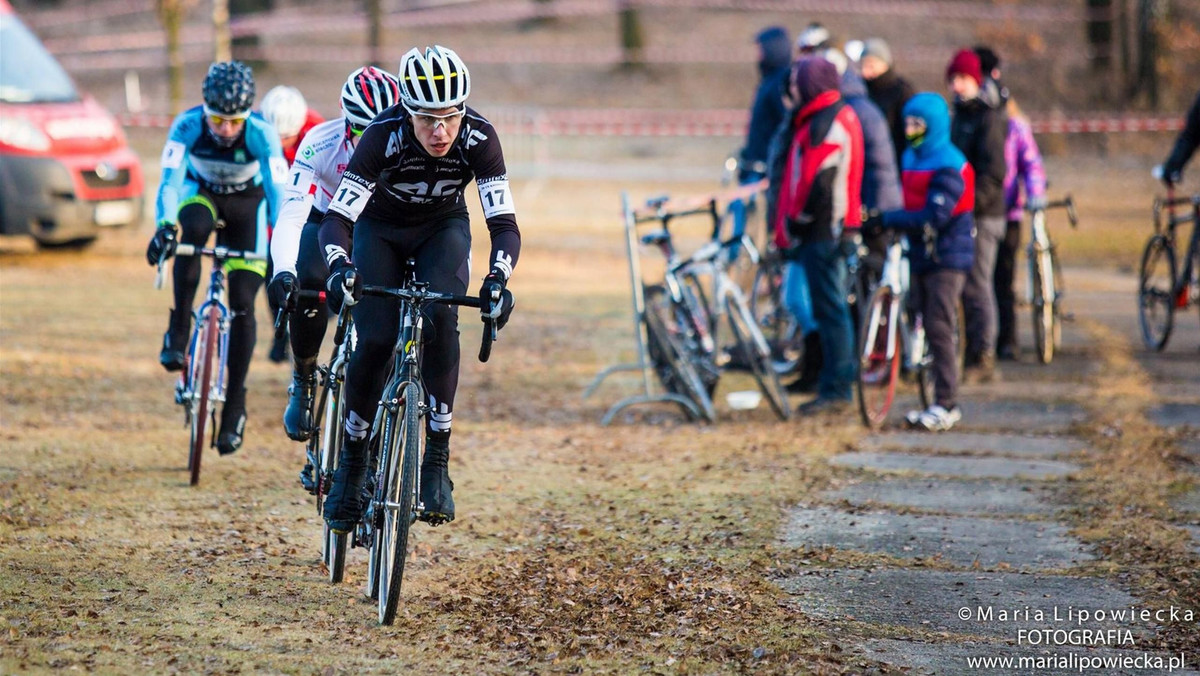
401, 197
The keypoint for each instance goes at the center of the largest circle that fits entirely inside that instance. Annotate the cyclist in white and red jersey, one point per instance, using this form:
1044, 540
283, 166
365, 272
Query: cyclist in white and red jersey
295, 252
401, 198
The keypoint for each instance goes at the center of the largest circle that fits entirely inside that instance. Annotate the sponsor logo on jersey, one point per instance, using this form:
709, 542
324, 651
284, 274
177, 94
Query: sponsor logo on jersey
393, 145
475, 137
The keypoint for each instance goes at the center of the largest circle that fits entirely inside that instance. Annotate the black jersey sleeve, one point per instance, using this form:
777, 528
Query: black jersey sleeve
353, 192
495, 194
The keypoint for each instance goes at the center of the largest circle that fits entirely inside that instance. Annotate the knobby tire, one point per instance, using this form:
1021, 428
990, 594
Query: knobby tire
877, 372
1042, 281
400, 488
669, 356
1156, 293
207, 342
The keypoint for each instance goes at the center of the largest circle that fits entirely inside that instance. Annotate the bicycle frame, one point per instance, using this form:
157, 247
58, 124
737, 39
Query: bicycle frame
1166, 227
896, 278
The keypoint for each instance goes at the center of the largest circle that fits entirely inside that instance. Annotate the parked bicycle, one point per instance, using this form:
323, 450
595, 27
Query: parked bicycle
1162, 288
201, 384
892, 340
1045, 288
397, 444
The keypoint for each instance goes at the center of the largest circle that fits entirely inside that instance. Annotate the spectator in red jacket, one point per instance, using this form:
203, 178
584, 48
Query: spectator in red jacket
819, 215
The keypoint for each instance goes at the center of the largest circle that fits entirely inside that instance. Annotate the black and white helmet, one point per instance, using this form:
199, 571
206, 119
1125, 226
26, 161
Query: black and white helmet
433, 80
368, 92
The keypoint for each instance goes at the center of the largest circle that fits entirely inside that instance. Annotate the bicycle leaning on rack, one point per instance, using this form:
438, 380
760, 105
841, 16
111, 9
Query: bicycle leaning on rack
201, 384
397, 443
1045, 288
1162, 288
892, 337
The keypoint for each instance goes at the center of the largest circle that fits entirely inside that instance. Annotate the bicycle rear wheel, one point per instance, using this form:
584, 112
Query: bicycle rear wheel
201, 364
668, 353
1156, 298
879, 357
777, 324
1041, 276
754, 351
402, 434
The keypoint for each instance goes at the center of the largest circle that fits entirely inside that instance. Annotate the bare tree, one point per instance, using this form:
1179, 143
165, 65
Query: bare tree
171, 14
375, 32
632, 39
222, 43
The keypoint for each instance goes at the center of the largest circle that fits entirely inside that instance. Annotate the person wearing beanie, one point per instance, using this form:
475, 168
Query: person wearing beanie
888, 90
1023, 168
814, 38
939, 193
979, 129
818, 215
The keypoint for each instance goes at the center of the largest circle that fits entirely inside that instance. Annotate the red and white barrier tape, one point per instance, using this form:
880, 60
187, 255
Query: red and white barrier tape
709, 123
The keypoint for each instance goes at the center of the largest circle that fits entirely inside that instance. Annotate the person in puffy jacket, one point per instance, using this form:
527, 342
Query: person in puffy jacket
819, 212
768, 110
938, 220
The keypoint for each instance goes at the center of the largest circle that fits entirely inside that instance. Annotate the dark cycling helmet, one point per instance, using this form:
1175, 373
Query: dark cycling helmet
433, 80
368, 92
229, 88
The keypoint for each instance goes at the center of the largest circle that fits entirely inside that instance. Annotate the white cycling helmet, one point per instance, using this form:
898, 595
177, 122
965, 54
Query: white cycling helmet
285, 108
368, 92
433, 80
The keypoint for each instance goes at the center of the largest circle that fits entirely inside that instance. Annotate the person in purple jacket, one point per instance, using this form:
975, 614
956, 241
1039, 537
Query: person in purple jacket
1023, 162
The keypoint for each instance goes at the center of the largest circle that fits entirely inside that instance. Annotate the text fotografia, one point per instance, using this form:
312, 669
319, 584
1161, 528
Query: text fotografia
1078, 616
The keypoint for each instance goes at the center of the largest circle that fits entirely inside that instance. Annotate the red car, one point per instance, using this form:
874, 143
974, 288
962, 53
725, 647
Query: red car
66, 171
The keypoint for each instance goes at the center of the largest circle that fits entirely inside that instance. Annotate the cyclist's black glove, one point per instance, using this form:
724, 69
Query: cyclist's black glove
496, 300
281, 291
162, 244
344, 284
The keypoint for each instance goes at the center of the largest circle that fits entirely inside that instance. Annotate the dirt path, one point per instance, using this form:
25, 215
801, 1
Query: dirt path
649, 545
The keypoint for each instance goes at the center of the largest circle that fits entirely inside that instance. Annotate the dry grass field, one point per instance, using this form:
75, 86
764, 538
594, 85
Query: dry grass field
647, 546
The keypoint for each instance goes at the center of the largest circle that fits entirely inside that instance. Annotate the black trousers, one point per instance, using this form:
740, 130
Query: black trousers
441, 249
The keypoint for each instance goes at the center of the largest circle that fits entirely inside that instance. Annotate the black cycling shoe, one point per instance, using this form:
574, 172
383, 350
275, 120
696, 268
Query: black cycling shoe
308, 478
174, 349
297, 417
233, 422
436, 486
344, 504
279, 348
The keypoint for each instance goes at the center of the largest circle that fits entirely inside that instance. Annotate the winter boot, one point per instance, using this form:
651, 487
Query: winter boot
810, 366
297, 417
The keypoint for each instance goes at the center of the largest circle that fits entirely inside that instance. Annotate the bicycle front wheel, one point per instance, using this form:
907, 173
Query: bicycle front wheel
1041, 278
201, 365
402, 433
879, 357
668, 353
1156, 297
754, 351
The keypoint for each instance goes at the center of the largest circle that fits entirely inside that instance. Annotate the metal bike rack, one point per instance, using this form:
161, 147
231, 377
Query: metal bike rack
640, 338
709, 205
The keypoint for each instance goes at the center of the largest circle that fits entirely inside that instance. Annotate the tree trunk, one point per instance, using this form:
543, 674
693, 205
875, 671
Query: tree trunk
171, 14
375, 33
222, 44
632, 40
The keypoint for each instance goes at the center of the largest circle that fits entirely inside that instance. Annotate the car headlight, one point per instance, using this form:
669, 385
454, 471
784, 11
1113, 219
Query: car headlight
19, 133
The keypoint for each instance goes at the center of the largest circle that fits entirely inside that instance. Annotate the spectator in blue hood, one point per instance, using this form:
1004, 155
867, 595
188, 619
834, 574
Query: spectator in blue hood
768, 110
938, 219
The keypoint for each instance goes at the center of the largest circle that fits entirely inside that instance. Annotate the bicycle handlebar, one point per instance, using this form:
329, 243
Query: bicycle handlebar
424, 297
1067, 203
218, 252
